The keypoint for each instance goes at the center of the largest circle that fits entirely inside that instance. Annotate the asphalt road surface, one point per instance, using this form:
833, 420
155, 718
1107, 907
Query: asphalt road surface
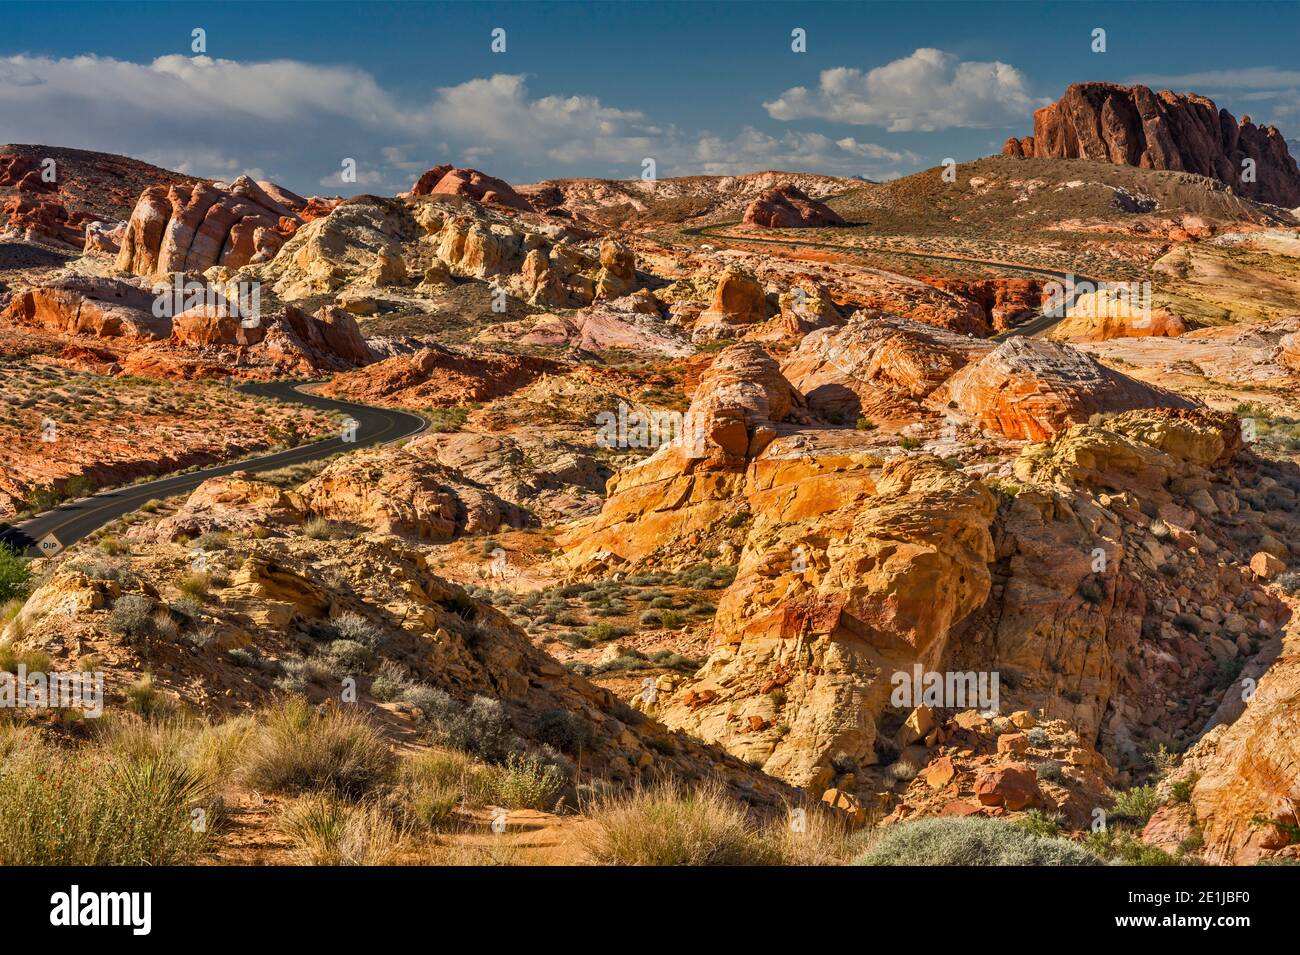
74, 520
1030, 327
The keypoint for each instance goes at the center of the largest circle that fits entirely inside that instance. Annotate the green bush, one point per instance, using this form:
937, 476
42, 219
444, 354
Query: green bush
14, 573
351, 656
970, 841
567, 732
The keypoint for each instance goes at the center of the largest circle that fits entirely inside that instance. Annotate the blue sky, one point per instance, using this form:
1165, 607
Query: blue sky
288, 90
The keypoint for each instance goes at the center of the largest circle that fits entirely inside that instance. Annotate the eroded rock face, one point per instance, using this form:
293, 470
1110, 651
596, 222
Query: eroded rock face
1004, 301
739, 302
880, 367
787, 207
1134, 126
834, 594
406, 492
439, 376
81, 305
690, 484
1031, 388
470, 183
192, 228
204, 340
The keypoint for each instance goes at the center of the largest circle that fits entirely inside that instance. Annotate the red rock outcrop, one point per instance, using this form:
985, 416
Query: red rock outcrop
192, 228
880, 367
691, 482
448, 180
1001, 299
87, 187
787, 207
1030, 388
1133, 126
440, 376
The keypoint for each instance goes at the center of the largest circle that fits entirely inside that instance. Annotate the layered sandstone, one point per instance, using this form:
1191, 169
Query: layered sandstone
192, 228
1032, 388
1134, 126
446, 180
787, 207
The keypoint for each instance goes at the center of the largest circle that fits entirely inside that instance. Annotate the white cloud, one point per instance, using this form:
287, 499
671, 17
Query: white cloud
929, 90
298, 121
1248, 78
753, 150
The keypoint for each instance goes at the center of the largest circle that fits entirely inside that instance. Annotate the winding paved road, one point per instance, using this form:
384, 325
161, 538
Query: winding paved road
74, 520
1032, 327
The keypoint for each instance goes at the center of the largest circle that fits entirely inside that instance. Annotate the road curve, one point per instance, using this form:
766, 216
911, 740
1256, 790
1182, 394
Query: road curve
74, 520
1034, 326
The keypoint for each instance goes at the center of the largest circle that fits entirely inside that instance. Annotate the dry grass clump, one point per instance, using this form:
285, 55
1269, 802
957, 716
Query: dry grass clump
137, 798
434, 784
301, 749
672, 825
326, 830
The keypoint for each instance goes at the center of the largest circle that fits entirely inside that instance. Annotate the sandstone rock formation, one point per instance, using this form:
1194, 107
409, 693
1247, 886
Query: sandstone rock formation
52, 195
439, 376
691, 482
834, 594
1132, 125
786, 207
1032, 388
876, 366
739, 302
192, 228
449, 181
204, 339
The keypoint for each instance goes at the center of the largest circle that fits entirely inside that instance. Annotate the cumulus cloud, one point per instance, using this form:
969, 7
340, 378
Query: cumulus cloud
295, 122
927, 91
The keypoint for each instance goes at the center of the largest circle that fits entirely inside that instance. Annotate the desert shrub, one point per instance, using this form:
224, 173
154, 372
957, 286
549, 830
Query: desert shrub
389, 682
1181, 791
241, 657
1135, 805
651, 618
300, 749
526, 782
1290, 583
351, 656
1040, 824
326, 830
567, 732
93, 807
666, 825
213, 540
481, 728
969, 841
132, 617
1122, 847
1050, 770
670, 618
353, 626
14, 573
111, 546
318, 529
144, 699
36, 661
195, 585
